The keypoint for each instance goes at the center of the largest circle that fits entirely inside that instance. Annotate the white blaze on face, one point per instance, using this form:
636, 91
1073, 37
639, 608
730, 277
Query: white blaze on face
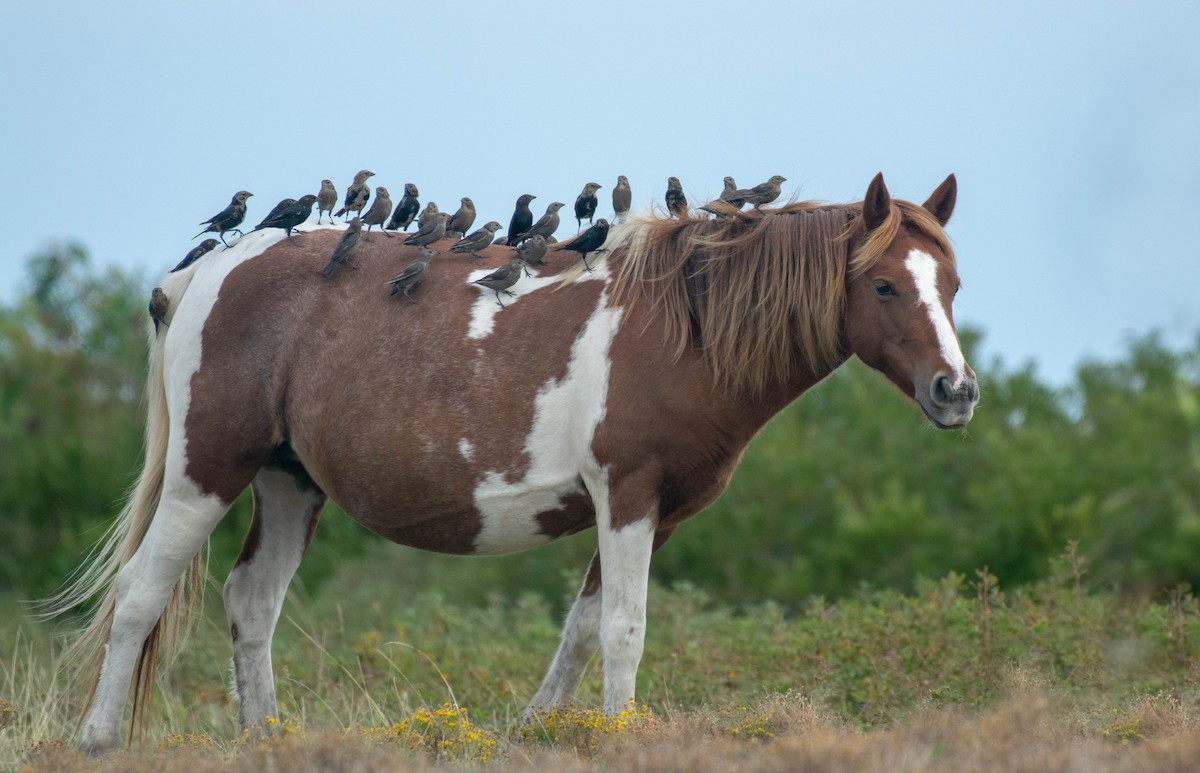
923, 268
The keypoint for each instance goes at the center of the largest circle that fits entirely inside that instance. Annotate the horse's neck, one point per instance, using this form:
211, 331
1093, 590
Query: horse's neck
759, 409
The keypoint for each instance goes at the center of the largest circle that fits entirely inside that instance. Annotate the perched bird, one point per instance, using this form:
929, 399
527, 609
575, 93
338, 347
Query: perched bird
379, 211
585, 204
430, 232
546, 225
159, 303
589, 241
326, 200
428, 214
502, 278
357, 194
406, 210
521, 219
229, 218
622, 196
462, 220
413, 274
676, 201
730, 197
282, 205
763, 193
532, 252
196, 253
290, 216
345, 246
476, 241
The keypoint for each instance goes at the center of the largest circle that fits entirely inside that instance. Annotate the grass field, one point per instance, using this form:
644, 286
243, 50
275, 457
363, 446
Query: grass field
960, 675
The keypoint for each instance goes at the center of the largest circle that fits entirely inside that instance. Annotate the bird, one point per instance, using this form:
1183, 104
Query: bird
585, 204
197, 252
406, 210
159, 303
290, 216
730, 197
532, 252
379, 210
763, 193
476, 241
428, 214
521, 219
589, 241
357, 194
462, 220
546, 225
326, 200
502, 278
676, 201
412, 274
622, 196
282, 205
229, 218
345, 246
430, 232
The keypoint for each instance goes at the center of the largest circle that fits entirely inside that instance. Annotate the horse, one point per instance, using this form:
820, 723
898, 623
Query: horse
619, 399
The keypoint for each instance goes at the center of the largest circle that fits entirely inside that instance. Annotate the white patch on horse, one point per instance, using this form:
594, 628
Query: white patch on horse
466, 449
559, 443
923, 268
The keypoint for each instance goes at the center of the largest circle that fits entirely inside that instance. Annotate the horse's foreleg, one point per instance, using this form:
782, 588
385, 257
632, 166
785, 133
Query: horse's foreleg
286, 509
625, 550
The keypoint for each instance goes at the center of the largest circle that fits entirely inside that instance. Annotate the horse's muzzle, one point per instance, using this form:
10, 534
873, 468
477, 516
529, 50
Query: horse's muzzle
949, 404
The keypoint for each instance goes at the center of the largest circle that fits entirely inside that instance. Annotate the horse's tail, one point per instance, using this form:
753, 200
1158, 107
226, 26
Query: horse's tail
97, 576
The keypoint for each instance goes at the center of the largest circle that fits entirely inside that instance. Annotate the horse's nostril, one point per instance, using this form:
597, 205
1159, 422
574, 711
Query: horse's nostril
942, 392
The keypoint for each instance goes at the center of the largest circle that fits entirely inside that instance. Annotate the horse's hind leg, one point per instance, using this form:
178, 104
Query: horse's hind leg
286, 506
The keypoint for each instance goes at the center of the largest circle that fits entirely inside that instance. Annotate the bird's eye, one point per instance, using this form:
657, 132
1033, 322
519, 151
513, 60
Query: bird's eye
884, 289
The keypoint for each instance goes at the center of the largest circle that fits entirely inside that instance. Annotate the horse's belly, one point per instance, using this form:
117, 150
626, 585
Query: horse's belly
522, 515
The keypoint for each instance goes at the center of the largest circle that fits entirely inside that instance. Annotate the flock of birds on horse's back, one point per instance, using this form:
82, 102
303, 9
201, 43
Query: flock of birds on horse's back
530, 239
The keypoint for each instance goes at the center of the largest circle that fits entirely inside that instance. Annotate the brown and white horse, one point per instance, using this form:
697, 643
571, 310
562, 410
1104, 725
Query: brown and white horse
620, 399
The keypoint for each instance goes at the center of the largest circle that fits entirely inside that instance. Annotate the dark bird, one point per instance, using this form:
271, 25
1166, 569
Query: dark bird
763, 193
676, 201
326, 200
585, 204
622, 196
290, 216
345, 246
159, 303
502, 278
428, 214
476, 241
357, 194
406, 210
229, 218
413, 274
546, 225
282, 205
521, 219
430, 232
532, 252
379, 211
462, 220
589, 241
197, 252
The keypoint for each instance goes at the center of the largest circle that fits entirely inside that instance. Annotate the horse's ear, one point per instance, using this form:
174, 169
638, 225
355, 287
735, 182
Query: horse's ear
878, 203
941, 201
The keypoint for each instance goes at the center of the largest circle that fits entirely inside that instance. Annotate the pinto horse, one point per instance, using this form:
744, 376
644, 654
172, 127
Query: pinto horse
620, 399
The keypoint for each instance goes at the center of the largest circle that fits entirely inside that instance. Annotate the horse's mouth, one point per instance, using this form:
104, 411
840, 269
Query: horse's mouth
940, 424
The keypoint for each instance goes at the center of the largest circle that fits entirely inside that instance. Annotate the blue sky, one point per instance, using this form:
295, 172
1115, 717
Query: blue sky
1074, 128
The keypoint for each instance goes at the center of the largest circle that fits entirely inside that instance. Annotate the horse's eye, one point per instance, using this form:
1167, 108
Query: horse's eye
884, 289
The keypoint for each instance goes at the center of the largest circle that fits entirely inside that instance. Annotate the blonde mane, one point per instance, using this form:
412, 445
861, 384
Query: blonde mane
755, 290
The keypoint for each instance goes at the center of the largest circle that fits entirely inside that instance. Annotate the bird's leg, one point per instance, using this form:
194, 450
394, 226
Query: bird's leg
585, 263
222, 237
509, 293
385, 233
498, 300
409, 297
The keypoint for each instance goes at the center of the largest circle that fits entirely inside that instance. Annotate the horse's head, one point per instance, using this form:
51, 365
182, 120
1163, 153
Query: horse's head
899, 316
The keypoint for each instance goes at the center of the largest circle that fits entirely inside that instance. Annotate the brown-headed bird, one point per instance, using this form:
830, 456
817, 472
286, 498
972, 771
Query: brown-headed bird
159, 304
763, 193
622, 197
589, 241
430, 232
290, 216
585, 204
412, 274
462, 220
546, 225
229, 218
380, 208
676, 201
533, 252
476, 241
357, 195
521, 219
501, 279
345, 246
406, 210
326, 200
197, 252
428, 215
